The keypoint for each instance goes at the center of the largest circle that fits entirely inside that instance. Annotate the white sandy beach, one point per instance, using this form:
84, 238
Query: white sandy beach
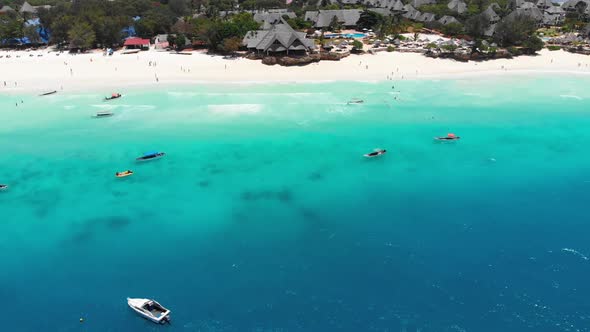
65, 72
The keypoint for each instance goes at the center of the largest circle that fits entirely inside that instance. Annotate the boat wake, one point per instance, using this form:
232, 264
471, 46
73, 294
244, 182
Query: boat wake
235, 109
571, 97
575, 252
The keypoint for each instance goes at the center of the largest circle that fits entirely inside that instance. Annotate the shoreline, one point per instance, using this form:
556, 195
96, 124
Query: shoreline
93, 71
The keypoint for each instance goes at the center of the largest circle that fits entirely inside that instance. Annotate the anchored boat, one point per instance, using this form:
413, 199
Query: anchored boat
3, 186
48, 93
355, 101
151, 156
103, 114
113, 96
150, 309
124, 174
376, 153
449, 137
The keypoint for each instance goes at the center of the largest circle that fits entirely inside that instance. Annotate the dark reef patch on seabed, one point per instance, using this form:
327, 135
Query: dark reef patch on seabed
88, 227
284, 195
204, 183
28, 175
315, 176
212, 169
43, 201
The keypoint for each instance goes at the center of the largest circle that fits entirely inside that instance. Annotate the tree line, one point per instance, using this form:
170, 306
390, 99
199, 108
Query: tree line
84, 24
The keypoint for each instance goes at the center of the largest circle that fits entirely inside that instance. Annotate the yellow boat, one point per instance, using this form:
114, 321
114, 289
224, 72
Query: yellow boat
124, 174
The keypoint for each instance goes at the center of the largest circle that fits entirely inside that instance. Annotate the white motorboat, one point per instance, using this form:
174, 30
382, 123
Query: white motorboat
3, 187
103, 114
150, 309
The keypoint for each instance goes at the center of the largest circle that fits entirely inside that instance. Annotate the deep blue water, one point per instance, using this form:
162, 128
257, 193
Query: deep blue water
265, 217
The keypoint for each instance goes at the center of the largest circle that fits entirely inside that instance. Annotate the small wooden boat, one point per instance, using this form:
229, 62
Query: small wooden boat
151, 156
376, 153
103, 114
3, 187
48, 93
113, 96
150, 309
355, 101
449, 137
124, 174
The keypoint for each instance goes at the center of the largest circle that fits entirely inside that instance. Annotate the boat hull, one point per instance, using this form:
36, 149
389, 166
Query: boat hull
123, 175
106, 115
374, 155
136, 304
144, 159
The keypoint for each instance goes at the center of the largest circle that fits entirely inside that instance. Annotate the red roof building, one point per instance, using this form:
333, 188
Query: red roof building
137, 43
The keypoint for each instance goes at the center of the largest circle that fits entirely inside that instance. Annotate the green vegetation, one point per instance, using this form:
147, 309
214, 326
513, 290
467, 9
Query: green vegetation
519, 31
81, 35
335, 24
452, 29
439, 9
357, 45
449, 48
298, 23
368, 20
390, 48
553, 48
514, 50
99, 23
476, 26
214, 32
11, 26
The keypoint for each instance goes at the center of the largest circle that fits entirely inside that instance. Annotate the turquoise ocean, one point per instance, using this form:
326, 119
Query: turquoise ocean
264, 216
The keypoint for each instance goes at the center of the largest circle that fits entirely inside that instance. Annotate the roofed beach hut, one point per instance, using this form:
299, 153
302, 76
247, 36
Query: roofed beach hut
27, 8
448, 20
6, 9
137, 43
280, 38
457, 6
322, 18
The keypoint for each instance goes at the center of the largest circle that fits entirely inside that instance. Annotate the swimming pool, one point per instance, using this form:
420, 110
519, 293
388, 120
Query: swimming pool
345, 35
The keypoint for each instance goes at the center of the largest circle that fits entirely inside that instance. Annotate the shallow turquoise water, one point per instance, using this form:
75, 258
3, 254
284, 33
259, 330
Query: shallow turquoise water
264, 216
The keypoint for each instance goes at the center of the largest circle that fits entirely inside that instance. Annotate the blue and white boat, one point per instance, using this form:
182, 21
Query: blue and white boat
150, 309
151, 156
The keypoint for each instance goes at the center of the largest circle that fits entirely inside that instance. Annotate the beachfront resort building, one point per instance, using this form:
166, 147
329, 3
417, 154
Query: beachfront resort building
6, 9
26, 8
457, 6
280, 38
322, 19
137, 43
573, 6
272, 16
395, 6
448, 20
544, 12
